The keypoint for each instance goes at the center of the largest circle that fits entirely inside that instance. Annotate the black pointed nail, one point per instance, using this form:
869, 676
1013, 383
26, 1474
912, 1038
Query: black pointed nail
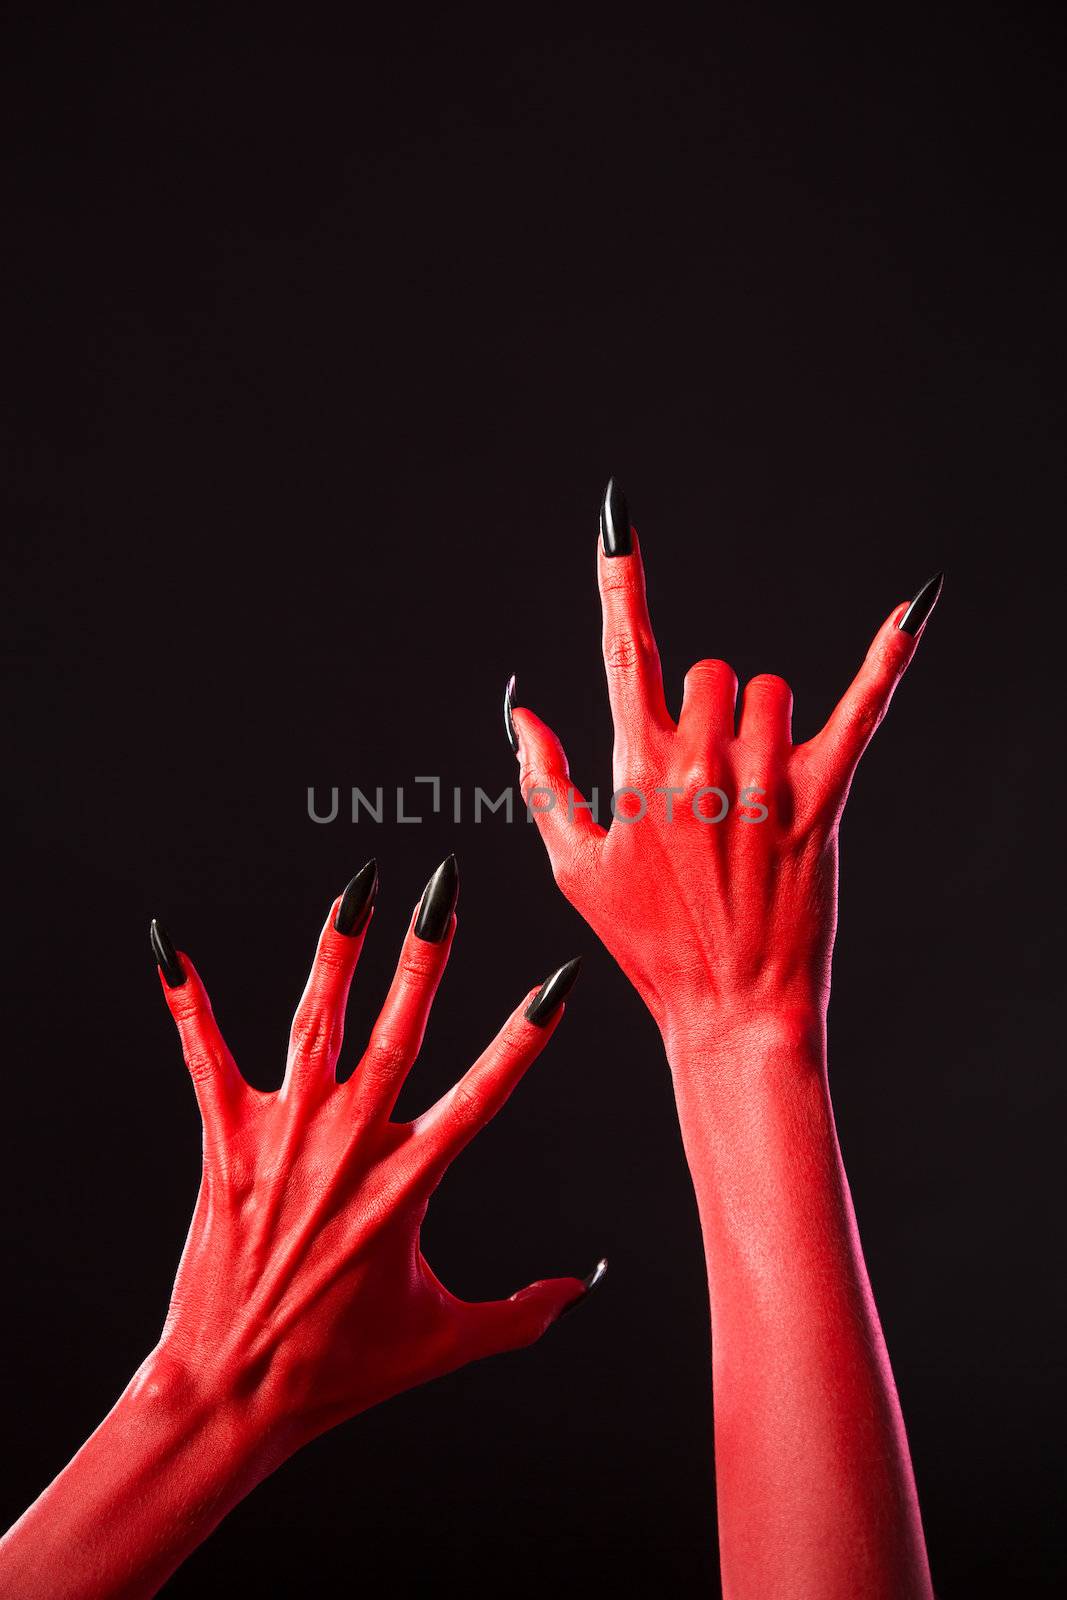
593, 1281
509, 720
357, 900
438, 902
552, 993
615, 531
921, 607
167, 958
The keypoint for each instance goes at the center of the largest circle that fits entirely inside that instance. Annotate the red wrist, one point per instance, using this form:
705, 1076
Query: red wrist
747, 1038
240, 1435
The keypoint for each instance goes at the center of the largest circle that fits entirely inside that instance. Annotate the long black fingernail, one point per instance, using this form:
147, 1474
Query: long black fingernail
552, 993
167, 958
438, 903
921, 607
357, 900
509, 720
595, 1278
615, 530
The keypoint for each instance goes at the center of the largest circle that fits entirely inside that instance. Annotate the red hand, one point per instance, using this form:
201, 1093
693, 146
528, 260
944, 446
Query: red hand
302, 1297
739, 911
312, 1199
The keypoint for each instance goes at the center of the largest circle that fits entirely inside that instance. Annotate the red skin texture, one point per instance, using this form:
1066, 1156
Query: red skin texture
726, 931
302, 1297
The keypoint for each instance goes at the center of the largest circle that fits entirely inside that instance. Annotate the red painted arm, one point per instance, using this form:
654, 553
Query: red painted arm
302, 1297
724, 921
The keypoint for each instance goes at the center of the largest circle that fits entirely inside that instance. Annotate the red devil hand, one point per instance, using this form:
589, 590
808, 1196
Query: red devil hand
302, 1296
716, 889
715, 885
302, 1280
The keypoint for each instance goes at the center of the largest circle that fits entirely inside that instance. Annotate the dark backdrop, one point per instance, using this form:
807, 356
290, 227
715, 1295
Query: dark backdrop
323, 344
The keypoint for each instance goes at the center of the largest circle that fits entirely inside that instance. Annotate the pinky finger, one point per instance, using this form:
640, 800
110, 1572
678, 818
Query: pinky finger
474, 1101
855, 719
216, 1081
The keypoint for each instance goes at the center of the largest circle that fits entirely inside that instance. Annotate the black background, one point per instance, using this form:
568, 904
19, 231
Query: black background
324, 340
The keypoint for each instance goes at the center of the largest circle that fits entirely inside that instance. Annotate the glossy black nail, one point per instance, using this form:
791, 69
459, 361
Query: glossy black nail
357, 900
552, 993
593, 1281
921, 607
509, 720
167, 958
438, 902
615, 531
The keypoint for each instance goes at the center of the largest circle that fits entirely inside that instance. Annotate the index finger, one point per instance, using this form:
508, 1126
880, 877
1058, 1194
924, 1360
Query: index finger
631, 659
474, 1101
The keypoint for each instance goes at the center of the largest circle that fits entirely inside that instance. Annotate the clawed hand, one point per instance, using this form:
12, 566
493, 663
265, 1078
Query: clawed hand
302, 1281
715, 885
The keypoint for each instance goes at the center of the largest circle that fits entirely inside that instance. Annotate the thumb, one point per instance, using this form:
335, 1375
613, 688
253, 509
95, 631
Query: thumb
565, 820
512, 1324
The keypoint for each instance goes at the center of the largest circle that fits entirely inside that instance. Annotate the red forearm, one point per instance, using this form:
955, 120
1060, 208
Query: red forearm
155, 1478
715, 888
815, 1490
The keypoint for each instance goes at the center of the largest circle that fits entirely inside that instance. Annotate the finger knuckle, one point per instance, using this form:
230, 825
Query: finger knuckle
622, 654
708, 669
865, 715
542, 793
417, 969
201, 1062
889, 656
386, 1058
616, 579
187, 1005
641, 775
465, 1106
330, 962
312, 1035
697, 773
769, 683
515, 1038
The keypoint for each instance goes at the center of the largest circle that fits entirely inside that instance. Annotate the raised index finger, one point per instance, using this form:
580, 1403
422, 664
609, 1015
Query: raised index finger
631, 659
